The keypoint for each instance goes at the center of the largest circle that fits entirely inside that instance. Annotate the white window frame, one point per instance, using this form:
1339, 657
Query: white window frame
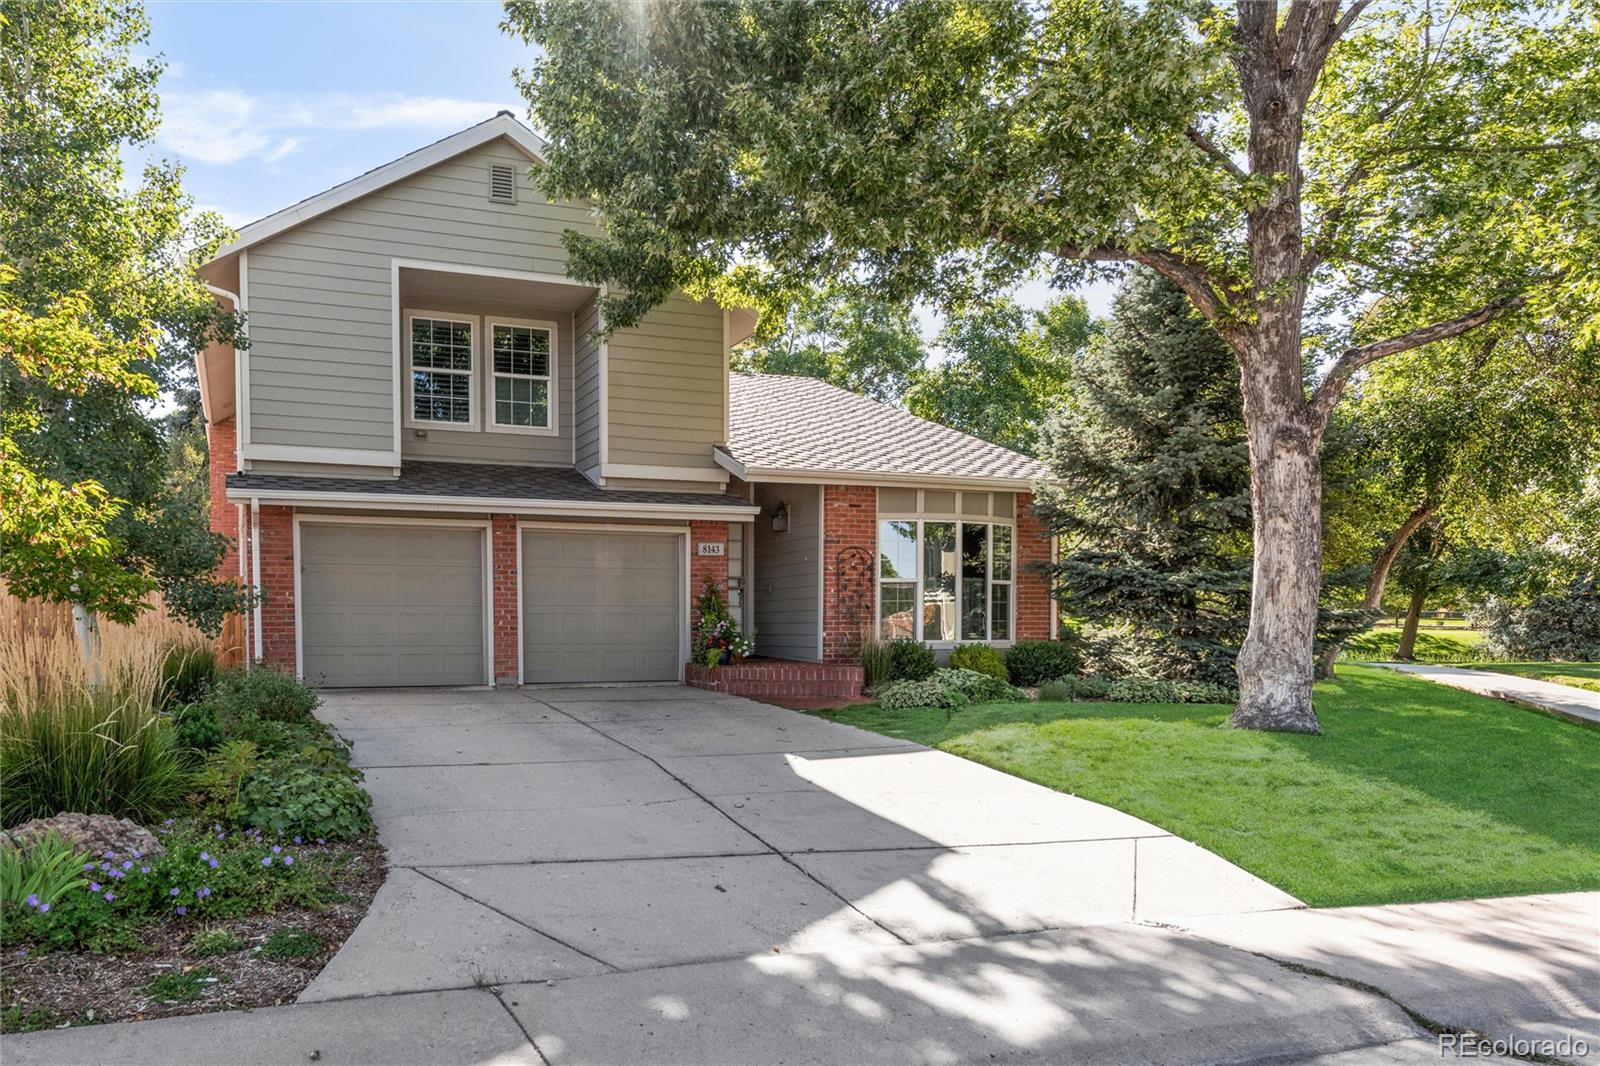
489, 375
474, 323
919, 518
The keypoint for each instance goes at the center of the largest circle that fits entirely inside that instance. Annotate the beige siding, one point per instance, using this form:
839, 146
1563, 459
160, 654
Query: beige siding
321, 355
666, 381
788, 571
586, 387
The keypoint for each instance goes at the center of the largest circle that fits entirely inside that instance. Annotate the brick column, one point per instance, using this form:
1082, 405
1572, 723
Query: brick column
220, 461
849, 568
703, 568
277, 588
1033, 586
503, 548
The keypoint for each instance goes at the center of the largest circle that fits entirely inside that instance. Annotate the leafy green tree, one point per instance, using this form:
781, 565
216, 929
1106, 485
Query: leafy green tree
102, 311
1153, 506
1006, 370
864, 345
1281, 163
1485, 443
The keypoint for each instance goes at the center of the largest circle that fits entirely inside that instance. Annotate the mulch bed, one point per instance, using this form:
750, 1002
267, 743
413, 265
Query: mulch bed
80, 987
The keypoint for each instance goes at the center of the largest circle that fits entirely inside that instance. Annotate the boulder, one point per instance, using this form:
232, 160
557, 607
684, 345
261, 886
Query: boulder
93, 834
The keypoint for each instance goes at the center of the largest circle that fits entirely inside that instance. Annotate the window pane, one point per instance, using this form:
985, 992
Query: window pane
441, 397
1004, 505
441, 345
521, 350
896, 609
1002, 552
897, 550
520, 402
939, 502
974, 581
938, 581
1000, 611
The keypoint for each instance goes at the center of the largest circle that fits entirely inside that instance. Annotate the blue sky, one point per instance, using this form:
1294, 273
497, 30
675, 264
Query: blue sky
266, 103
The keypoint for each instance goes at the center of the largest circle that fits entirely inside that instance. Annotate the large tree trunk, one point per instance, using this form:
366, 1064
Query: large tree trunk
1379, 579
1275, 662
1407, 649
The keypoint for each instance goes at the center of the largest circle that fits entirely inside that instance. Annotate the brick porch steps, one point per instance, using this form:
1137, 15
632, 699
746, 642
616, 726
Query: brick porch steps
780, 678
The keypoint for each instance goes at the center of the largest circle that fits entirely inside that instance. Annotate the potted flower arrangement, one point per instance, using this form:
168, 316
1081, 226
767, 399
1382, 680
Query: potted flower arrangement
717, 639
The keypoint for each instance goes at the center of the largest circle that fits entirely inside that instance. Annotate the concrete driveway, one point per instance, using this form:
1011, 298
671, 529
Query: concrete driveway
659, 874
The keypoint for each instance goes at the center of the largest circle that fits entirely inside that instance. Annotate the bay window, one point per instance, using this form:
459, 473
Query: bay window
945, 579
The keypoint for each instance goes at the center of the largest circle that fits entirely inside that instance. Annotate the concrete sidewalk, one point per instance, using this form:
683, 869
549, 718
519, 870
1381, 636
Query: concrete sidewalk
666, 875
1564, 701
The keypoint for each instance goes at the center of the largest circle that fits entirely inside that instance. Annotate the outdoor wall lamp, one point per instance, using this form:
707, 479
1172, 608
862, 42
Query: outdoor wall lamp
780, 518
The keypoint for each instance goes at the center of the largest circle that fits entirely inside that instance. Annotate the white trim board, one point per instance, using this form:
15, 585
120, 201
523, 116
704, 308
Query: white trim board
866, 477
501, 125
489, 505
306, 453
486, 558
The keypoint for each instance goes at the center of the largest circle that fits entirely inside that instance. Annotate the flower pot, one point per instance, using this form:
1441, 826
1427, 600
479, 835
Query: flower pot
726, 658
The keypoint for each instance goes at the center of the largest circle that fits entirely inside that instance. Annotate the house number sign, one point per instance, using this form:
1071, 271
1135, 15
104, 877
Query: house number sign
707, 548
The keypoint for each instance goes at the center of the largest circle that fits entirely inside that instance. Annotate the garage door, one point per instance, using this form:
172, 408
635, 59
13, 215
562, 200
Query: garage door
601, 606
391, 605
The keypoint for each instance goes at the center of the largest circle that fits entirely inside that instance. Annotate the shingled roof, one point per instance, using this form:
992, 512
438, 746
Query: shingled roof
794, 426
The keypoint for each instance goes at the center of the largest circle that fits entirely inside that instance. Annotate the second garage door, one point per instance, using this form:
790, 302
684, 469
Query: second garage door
391, 604
601, 606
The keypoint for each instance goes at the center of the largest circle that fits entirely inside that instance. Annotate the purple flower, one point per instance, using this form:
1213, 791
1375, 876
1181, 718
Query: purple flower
33, 899
173, 893
138, 854
118, 874
267, 861
88, 866
203, 893
144, 869
105, 866
94, 886
276, 849
212, 864
112, 854
288, 860
297, 840
44, 908
110, 896
167, 822
182, 911
204, 856
321, 841
127, 864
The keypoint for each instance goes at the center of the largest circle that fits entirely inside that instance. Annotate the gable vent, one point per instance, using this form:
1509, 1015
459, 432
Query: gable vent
502, 183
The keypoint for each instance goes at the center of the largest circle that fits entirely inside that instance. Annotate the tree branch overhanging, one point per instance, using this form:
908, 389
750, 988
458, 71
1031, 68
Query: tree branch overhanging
1209, 147
1332, 386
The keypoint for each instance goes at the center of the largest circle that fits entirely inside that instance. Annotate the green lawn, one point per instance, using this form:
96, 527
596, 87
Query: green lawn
1578, 675
1433, 646
1414, 792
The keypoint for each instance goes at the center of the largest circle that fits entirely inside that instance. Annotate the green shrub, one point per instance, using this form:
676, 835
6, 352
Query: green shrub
194, 725
292, 944
977, 687
1088, 688
1563, 625
265, 694
188, 673
910, 660
98, 750
1206, 692
979, 657
1143, 690
907, 695
179, 987
36, 874
301, 794
1033, 662
1058, 691
877, 660
202, 875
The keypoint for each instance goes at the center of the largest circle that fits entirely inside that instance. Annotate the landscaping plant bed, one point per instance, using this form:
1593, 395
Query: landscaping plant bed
195, 966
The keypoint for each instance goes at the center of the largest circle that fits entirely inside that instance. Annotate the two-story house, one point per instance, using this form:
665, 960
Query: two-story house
439, 471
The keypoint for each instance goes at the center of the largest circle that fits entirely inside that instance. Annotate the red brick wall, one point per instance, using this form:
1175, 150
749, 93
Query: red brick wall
849, 562
703, 568
277, 587
503, 547
224, 515
1033, 588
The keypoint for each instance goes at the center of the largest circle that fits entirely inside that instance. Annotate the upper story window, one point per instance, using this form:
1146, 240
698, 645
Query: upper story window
441, 370
521, 355
945, 565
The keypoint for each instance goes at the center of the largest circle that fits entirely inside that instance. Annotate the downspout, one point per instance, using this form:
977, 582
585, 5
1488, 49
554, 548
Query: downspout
255, 572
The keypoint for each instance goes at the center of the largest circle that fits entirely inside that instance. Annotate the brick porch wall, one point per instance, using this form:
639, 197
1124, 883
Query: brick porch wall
221, 459
1033, 587
703, 568
849, 559
277, 587
503, 549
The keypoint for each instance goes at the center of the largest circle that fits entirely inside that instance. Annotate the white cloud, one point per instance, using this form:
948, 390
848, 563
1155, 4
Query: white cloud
226, 126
